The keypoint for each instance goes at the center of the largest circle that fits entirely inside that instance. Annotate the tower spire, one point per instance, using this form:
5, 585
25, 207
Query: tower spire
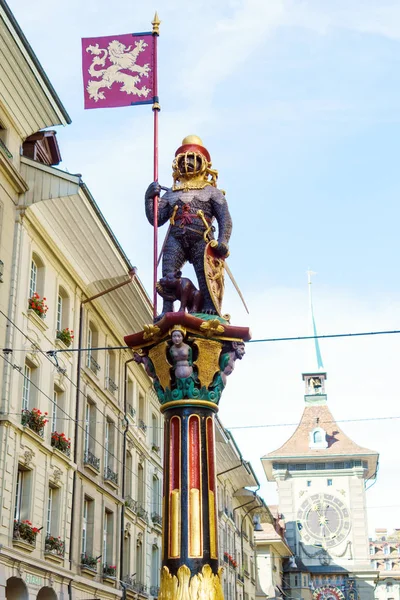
313, 327
315, 377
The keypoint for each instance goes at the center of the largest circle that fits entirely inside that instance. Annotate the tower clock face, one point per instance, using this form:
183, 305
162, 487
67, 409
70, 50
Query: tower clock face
323, 519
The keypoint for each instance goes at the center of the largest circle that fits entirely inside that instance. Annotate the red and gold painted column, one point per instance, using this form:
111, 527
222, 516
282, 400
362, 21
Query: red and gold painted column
189, 374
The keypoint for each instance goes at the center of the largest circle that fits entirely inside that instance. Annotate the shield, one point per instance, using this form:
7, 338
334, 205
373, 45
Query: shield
214, 269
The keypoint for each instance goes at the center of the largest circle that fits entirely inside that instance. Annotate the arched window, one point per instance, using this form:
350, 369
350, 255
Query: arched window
62, 319
317, 437
36, 281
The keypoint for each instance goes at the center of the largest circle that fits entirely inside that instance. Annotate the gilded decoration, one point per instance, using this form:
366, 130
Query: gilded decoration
212, 328
183, 586
158, 356
151, 332
207, 361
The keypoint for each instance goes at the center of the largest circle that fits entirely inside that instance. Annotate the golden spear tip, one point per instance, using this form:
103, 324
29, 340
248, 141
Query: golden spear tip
156, 24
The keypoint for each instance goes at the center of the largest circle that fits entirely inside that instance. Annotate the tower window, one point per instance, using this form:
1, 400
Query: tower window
309, 483
329, 482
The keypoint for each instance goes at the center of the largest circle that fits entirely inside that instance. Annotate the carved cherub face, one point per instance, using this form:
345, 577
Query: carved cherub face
177, 337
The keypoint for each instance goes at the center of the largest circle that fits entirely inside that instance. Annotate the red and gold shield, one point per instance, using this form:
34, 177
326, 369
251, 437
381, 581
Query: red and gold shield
214, 269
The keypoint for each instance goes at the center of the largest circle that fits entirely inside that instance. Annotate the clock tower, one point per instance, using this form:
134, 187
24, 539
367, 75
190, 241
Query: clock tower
322, 476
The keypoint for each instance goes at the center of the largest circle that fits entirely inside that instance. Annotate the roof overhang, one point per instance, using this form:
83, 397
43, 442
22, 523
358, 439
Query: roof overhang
26, 82
69, 220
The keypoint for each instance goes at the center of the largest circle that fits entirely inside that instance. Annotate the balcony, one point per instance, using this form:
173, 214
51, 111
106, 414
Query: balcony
136, 586
91, 460
157, 520
142, 425
92, 364
110, 385
142, 513
240, 577
154, 591
109, 475
131, 503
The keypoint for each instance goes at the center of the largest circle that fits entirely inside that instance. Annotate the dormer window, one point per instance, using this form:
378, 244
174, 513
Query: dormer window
317, 438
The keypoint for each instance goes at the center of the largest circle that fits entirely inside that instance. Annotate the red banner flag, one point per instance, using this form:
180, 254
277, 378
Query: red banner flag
118, 70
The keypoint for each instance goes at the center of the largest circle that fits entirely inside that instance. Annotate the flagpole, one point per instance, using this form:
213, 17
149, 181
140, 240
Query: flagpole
156, 110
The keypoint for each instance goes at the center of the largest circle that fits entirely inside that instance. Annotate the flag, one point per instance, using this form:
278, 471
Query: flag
118, 70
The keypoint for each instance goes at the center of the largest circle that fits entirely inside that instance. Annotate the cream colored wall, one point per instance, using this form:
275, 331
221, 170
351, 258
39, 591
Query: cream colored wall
349, 487
47, 466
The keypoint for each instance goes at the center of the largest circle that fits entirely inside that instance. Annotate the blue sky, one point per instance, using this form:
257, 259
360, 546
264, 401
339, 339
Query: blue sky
298, 104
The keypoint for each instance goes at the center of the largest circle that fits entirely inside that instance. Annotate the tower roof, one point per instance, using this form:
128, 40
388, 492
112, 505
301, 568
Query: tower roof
339, 445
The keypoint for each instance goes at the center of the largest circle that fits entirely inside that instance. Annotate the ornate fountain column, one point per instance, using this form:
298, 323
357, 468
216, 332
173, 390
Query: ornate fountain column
188, 359
189, 355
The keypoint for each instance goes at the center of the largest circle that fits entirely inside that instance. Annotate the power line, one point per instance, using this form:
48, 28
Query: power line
117, 460
319, 337
313, 421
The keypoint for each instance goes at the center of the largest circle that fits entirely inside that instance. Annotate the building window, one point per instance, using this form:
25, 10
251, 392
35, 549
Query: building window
155, 568
54, 408
92, 344
30, 381
372, 549
128, 474
154, 431
87, 526
108, 448
140, 482
107, 538
33, 279
296, 581
90, 432
388, 565
386, 549
142, 412
59, 312
36, 280
22, 494
156, 497
329, 482
130, 397
53, 503
26, 389
309, 483
111, 372
389, 586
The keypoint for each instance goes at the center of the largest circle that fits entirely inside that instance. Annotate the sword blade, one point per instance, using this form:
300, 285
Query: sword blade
231, 277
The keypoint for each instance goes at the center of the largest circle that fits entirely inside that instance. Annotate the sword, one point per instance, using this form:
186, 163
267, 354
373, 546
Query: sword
214, 244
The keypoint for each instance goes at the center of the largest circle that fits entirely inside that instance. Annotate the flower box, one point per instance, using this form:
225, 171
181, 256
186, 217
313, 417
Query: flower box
38, 305
34, 419
66, 336
61, 442
54, 545
109, 571
24, 531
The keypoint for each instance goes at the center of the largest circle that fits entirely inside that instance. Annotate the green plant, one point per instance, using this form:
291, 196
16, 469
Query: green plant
37, 304
88, 561
109, 570
24, 530
61, 442
54, 544
34, 419
65, 335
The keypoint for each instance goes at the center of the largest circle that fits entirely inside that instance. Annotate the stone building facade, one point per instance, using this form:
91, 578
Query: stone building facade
321, 475
384, 550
